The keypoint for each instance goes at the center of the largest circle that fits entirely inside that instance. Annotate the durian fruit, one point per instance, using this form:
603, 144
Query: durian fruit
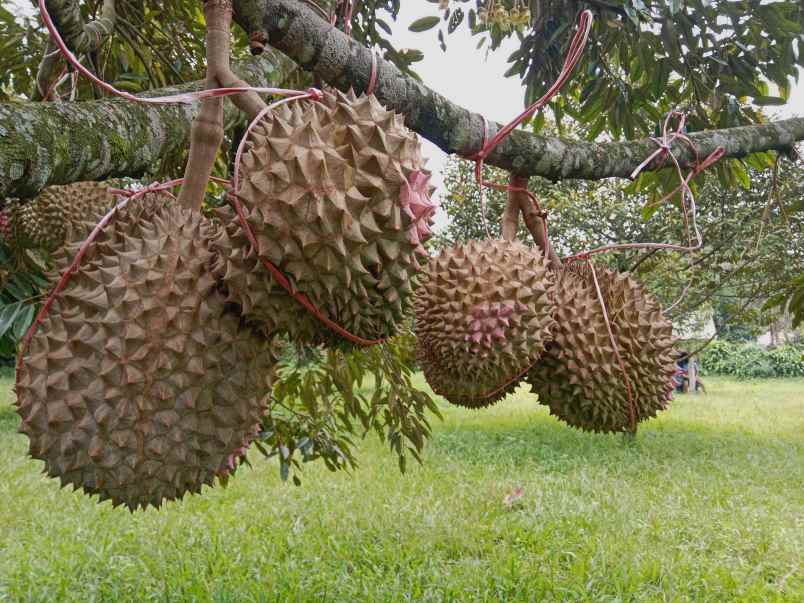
142, 384
44, 222
484, 312
337, 197
579, 377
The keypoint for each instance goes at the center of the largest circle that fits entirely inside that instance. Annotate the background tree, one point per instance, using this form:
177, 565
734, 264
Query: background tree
753, 237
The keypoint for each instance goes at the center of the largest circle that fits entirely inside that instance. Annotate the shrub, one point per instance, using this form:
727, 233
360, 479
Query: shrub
787, 360
751, 361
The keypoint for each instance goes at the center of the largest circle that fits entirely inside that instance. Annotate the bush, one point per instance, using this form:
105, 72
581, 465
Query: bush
751, 361
788, 361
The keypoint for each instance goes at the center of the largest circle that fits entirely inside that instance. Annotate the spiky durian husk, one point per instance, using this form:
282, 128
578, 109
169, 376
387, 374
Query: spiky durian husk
45, 221
336, 195
483, 314
579, 377
141, 384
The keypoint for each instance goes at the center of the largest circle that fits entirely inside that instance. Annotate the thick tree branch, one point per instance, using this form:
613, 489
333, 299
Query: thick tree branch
297, 30
58, 143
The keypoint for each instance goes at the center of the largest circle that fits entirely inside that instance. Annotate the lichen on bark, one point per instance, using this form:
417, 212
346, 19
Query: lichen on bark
58, 143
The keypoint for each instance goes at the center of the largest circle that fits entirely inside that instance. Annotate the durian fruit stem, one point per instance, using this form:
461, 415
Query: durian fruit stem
534, 222
205, 139
510, 219
218, 55
207, 131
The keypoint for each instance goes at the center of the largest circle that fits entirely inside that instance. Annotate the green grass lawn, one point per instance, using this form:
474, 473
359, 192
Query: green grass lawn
706, 505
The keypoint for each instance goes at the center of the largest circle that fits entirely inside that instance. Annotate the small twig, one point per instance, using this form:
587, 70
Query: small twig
534, 222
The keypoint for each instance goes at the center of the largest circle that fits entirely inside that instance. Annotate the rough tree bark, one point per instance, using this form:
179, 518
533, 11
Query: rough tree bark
58, 143
297, 30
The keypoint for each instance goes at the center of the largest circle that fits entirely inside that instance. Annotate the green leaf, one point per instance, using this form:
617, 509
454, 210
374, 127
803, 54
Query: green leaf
9, 315
763, 101
424, 24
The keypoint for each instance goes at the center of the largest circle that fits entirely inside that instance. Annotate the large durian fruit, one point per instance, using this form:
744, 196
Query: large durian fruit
579, 377
338, 199
43, 222
142, 384
484, 312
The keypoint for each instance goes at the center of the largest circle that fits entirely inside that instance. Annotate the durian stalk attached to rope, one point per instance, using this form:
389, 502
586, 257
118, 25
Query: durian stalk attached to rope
521, 199
207, 131
577, 47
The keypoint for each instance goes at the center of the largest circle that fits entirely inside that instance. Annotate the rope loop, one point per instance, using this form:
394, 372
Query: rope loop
372, 83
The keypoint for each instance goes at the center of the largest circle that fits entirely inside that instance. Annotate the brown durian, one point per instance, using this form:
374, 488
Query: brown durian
338, 199
45, 221
579, 377
483, 314
142, 384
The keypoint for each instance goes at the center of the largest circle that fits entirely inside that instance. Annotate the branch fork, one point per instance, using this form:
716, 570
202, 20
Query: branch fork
207, 131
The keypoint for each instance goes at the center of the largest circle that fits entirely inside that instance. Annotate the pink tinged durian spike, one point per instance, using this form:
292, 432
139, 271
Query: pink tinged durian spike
415, 200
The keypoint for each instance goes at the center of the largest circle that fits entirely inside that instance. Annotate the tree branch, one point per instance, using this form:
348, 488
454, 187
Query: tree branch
59, 143
207, 130
297, 30
80, 37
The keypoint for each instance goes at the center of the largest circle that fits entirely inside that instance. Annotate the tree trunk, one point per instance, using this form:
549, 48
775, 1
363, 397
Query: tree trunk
59, 143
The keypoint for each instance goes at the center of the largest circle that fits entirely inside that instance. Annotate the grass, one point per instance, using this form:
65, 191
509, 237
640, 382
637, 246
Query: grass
706, 505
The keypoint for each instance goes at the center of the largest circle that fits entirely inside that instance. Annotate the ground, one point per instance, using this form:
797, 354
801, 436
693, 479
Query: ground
706, 505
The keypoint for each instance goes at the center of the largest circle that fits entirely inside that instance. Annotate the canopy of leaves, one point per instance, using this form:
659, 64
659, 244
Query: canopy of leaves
646, 57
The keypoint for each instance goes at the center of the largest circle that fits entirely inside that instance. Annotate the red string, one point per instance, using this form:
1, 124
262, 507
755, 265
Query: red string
663, 151
346, 9
372, 83
573, 57
574, 54
632, 410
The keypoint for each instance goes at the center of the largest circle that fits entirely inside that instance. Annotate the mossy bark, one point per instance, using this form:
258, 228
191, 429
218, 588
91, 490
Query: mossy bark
294, 28
59, 143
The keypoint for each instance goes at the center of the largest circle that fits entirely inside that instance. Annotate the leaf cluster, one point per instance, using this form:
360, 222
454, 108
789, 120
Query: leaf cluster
326, 398
719, 60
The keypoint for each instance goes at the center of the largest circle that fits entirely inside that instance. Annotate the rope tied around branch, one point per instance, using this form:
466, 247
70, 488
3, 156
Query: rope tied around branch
577, 46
